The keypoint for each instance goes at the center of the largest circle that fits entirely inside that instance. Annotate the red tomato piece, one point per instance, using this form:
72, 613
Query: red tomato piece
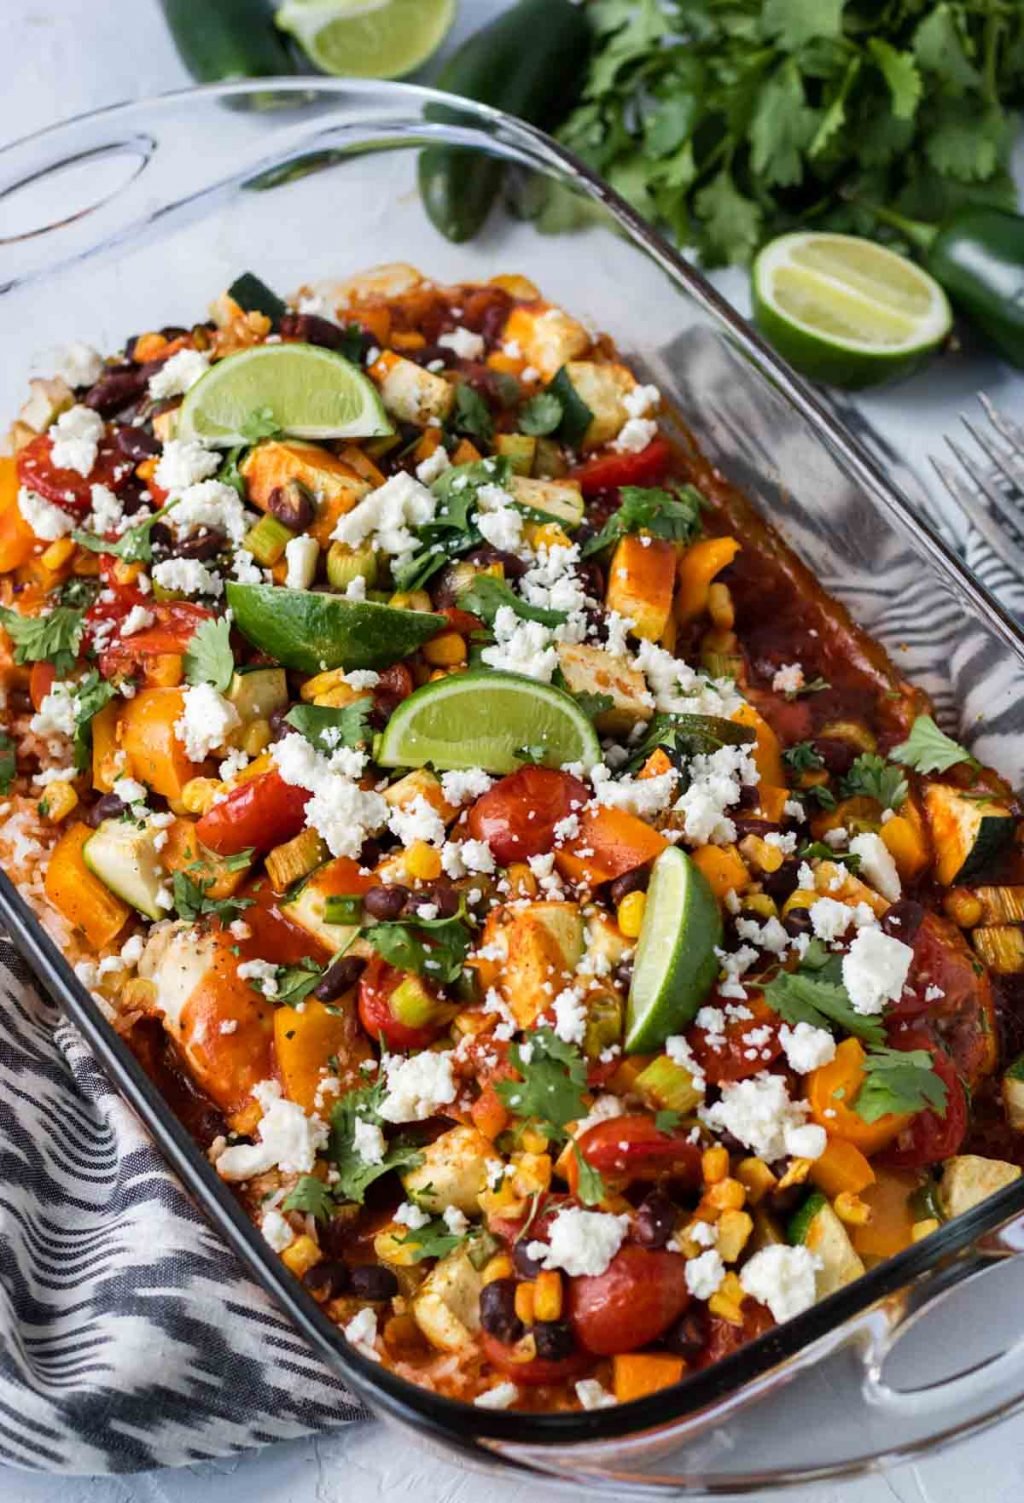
40, 680
67, 488
930, 1136
649, 467
262, 813
633, 1302
962, 1015
535, 1372
517, 817
175, 624
634, 1150
743, 1037
273, 936
724, 1338
376, 986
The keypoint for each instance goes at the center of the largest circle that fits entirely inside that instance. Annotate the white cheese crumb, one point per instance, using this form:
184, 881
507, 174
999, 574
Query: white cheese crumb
877, 865
417, 1086
807, 1047
789, 679
301, 554
47, 521
581, 1242
182, 370
361, 1332
499, 1397
463, 343
704, 1274
277, 1231
782, 1278
206, 723
75, 438
875, 970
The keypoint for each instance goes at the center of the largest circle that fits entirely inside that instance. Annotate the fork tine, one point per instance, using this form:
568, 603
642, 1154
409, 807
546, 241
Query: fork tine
1002, 461
1011, 516
1004, 547
1006, 427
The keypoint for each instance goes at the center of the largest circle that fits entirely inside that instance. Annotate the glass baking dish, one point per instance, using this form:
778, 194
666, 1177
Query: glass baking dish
139, 215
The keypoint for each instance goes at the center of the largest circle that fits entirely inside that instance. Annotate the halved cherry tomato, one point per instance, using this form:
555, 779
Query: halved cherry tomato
538, 1370
633, 1302
946, 985
175, 624
259, 814
458, 620
67, 488
634, 1149
724, 1338
376, 986
273, 935
649, 467
738, 1057
929, 1137
517, 817
40, 679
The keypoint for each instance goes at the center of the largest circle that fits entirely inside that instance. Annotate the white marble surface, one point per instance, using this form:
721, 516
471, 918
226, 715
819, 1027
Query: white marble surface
69, 56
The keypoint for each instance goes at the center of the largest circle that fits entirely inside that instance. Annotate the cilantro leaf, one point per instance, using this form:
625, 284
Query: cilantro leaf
54, 638
927, 749
899, 1080
452, 532
796, 22
8, 762
433, 948
351, 346
471, 414
311, 1197
732, 223
672, 514
485, 596
873, 777
690, 735
818, 996
192, 903
433, 1240
541, 415
590, 1187
134, 546
328, 727
554, 1081
295, 982
92, 693
208, 656
260, 424
79, 591
820, 850
782, 128
900, 73
802, 757
355, 1174
593, 705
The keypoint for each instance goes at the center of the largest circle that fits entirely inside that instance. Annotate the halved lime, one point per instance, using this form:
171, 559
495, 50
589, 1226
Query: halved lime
312, 631
303, 389
847, 311
496, 721
367, 38
675, 965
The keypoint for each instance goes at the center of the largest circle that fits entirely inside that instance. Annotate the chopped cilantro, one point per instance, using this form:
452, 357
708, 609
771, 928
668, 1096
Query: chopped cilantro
54, 638
803, 757
8, 762
92, 694
873, 777
672, 514
433, 948
899, 1080
471, 414
815, 994
328, 727
541, 415
295, 982
554, 1080
433, 1240
311, 1197
927, 749
192, 903
208, 656
355, 1174
485, 596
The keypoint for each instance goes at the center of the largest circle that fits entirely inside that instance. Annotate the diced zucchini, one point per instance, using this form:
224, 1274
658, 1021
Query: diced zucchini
306, 908
606, 1012
267, 539
588, 670
519, 449
1001, 947
668, 1086
126, 860
1000, 905
256, 695
410, 393
345, 564
1013, 1094
254, 296
969, 1179
550, 462
453, 1172
969, 832
819, 1229
601, 388
576, 415
547, 337
561, 499
446, 1307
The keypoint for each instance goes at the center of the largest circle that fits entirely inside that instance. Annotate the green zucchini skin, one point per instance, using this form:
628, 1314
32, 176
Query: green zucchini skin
528, 62
224, 39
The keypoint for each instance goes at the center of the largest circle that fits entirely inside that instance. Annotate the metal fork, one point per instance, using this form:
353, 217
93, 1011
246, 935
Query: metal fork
1001, 483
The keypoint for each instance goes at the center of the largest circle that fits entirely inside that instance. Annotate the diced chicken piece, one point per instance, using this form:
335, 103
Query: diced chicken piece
589, 670
447, 1305
422, 783
544, 943
410, 393
271, 465
453, 1172
969, 1179
547, 337
561, 499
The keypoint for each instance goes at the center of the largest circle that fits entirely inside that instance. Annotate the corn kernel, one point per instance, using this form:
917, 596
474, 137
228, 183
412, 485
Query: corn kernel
437, 673
689, 1245
922, 1229
411, 600
734, 1229
532, 1173
423, 862
720, 607
325, 683
547, 1295
446, 650
393, 1246
126, 574
851, 1209
727, 1301
525, 1303
760, 904
58, 800
301, 1255
259, 765
726, 1195
961, 906
714, 1164
547, 535
801, 898
534, 1141
58, 553
498, 1267
256, 737
768, 858
796, 1173
630, 914
147, 469
521, 880
198, 794
756, 1178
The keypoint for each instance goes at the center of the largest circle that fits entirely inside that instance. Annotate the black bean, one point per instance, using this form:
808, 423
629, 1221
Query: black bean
525, 1266
622, 975
386, 902
137, 443
593, 578
553, 1339
785, 1202
312, 329
326, 1280
293, 505
638, 880
339, 978
369, 854
279, 722
440, 895
797, 921
498, 1310
903, 919
118, 386
201, 545
689, 1336
371, 1281
837, 755
131, 492
655, 1220
161, 536
108, 807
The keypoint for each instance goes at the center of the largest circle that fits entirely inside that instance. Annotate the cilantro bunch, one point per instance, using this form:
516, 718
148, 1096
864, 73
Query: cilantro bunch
729, 123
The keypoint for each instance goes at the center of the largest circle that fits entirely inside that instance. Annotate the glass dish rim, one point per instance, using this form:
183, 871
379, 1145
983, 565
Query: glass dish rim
758, 1358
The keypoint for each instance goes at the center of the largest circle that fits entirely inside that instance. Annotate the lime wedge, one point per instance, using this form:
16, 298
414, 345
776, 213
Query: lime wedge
312, 631
847, 311
367, 38
496, 721
675, 964
304, 390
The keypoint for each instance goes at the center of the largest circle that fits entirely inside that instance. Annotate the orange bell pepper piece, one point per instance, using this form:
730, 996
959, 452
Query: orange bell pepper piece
155, 755
17, 539
907, 840
697, 568
842, 1167
890, 1228
304, 1042
636, 1374
641, 580
723, 867
40, 682
767, 752
86, 903
615, 842
106, 760
831, 1091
